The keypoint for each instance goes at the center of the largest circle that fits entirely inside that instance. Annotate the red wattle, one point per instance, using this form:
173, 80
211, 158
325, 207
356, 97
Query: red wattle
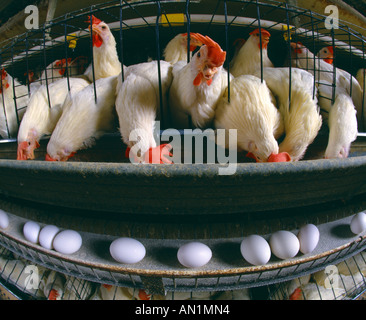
197, 81
97, 40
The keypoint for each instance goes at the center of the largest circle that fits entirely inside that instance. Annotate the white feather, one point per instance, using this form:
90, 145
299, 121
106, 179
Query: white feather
341, 119
83, 119
11, 112
252, 113
301, 115
248, 59
324, 73
42, 113
199, 102
138, 101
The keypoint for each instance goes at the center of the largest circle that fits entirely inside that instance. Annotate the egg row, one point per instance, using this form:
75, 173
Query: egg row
254, 248
50, 237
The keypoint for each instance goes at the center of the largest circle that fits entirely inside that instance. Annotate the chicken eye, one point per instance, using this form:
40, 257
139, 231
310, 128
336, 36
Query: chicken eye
103, 27
199, 54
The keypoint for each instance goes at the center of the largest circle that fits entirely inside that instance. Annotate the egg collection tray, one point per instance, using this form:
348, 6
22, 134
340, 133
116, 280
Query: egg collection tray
160, 270
165, 207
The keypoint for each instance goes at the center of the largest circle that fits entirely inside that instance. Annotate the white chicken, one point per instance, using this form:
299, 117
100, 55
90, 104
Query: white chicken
252, 54
303, 58
341, 119
198, 85
83, 119
312, 291
360, 76
327, 54
54, 71
176, 49
237, 44
11, 110
138, 106
302, 120
42, 114
109, 292
105, 57
252, 113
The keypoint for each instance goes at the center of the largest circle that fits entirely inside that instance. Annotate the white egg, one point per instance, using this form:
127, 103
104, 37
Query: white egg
4, 219
31, 231
358, 223
308, 237
284, 244
194, 254
127, 250
255, 249
67, 242
47, 235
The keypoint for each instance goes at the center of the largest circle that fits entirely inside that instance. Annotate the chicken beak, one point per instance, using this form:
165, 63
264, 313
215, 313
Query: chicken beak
22, 151
209, 72
26, 150
97, 38
96, 29
280, 157
265, 41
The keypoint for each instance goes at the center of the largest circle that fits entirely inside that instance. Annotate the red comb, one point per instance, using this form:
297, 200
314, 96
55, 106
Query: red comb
263, 31
216, 55
331, 50
95, 20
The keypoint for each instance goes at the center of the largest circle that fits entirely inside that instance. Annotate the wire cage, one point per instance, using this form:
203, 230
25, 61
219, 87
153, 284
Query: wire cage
116, 198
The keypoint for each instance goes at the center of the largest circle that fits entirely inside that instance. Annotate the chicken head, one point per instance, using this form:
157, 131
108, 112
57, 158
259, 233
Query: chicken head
63, 155
4, 80
327, 54
61, 65
262, 36
100, 31
207, 59
26, 148
156, 155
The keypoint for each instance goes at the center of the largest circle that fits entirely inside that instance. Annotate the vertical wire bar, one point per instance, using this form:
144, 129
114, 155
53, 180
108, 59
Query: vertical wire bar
227, 51
316, 74
190, 124
290, 64
260, 38
121, 39
363, 75
157, 37
45, 64
3, 100
14, 92
66, 54
334, 69
27, 62
188, 29
92, 53
350, 57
